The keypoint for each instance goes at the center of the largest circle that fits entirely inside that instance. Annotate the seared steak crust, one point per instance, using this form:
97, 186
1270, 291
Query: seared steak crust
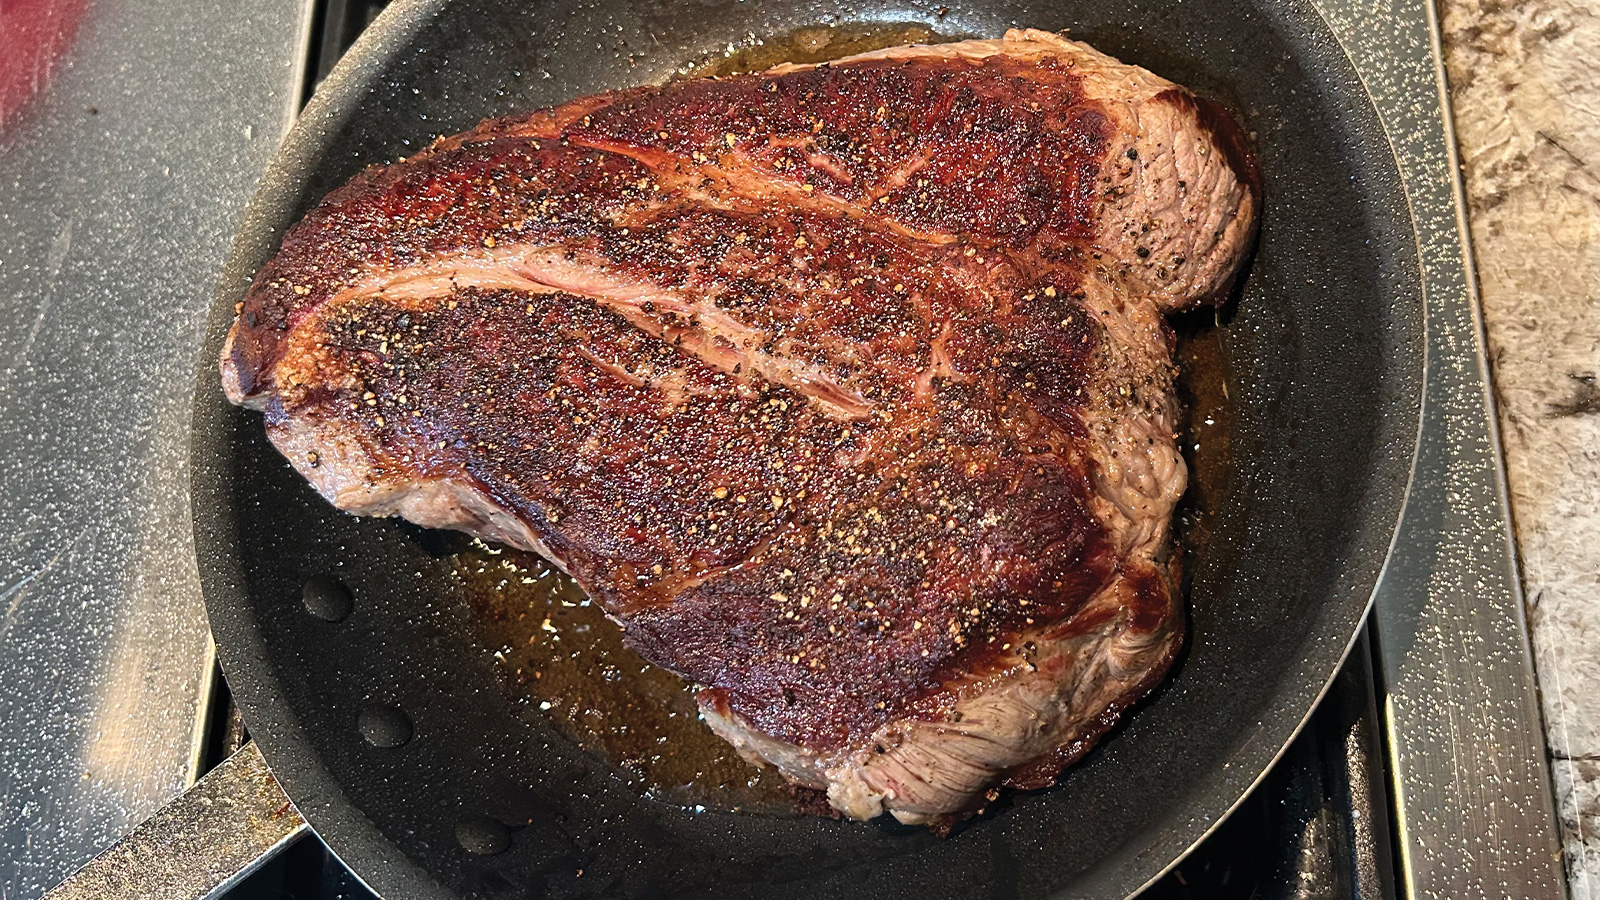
845, 389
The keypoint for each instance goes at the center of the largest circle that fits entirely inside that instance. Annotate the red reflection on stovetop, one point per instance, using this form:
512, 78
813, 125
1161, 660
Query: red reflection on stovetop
34, 35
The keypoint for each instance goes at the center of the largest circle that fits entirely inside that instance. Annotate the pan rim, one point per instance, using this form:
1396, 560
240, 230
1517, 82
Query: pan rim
358, 843
370, 856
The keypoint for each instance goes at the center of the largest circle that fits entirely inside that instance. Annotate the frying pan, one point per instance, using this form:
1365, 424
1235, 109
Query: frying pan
381, 709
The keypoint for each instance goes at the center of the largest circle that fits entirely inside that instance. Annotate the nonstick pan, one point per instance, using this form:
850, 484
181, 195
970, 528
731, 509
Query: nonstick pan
353, 652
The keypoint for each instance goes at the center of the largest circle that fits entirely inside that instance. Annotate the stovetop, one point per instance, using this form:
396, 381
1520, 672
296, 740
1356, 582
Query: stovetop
1421, 774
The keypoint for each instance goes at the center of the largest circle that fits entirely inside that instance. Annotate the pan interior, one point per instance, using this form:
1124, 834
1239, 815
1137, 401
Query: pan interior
1325, 350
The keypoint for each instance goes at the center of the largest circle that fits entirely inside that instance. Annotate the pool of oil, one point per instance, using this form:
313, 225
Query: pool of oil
1206, 430
558, 651
815, 44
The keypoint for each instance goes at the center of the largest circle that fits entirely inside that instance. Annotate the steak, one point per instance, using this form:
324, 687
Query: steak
845, 389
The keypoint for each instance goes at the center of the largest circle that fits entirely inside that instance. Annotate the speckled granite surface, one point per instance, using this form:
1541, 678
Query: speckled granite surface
1526, 91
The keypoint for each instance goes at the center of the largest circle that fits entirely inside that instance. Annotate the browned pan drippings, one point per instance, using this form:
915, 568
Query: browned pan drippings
817, 44
559, 653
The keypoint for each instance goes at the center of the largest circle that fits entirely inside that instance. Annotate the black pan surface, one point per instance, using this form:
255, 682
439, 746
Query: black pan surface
482, 797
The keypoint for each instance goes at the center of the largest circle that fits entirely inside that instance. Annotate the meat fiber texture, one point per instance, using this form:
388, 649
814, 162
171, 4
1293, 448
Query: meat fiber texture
845, 389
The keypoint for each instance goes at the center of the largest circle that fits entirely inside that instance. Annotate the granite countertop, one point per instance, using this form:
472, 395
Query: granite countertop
1526, 94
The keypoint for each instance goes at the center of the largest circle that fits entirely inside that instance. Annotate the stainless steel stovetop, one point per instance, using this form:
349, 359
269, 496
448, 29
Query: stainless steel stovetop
1421, 775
